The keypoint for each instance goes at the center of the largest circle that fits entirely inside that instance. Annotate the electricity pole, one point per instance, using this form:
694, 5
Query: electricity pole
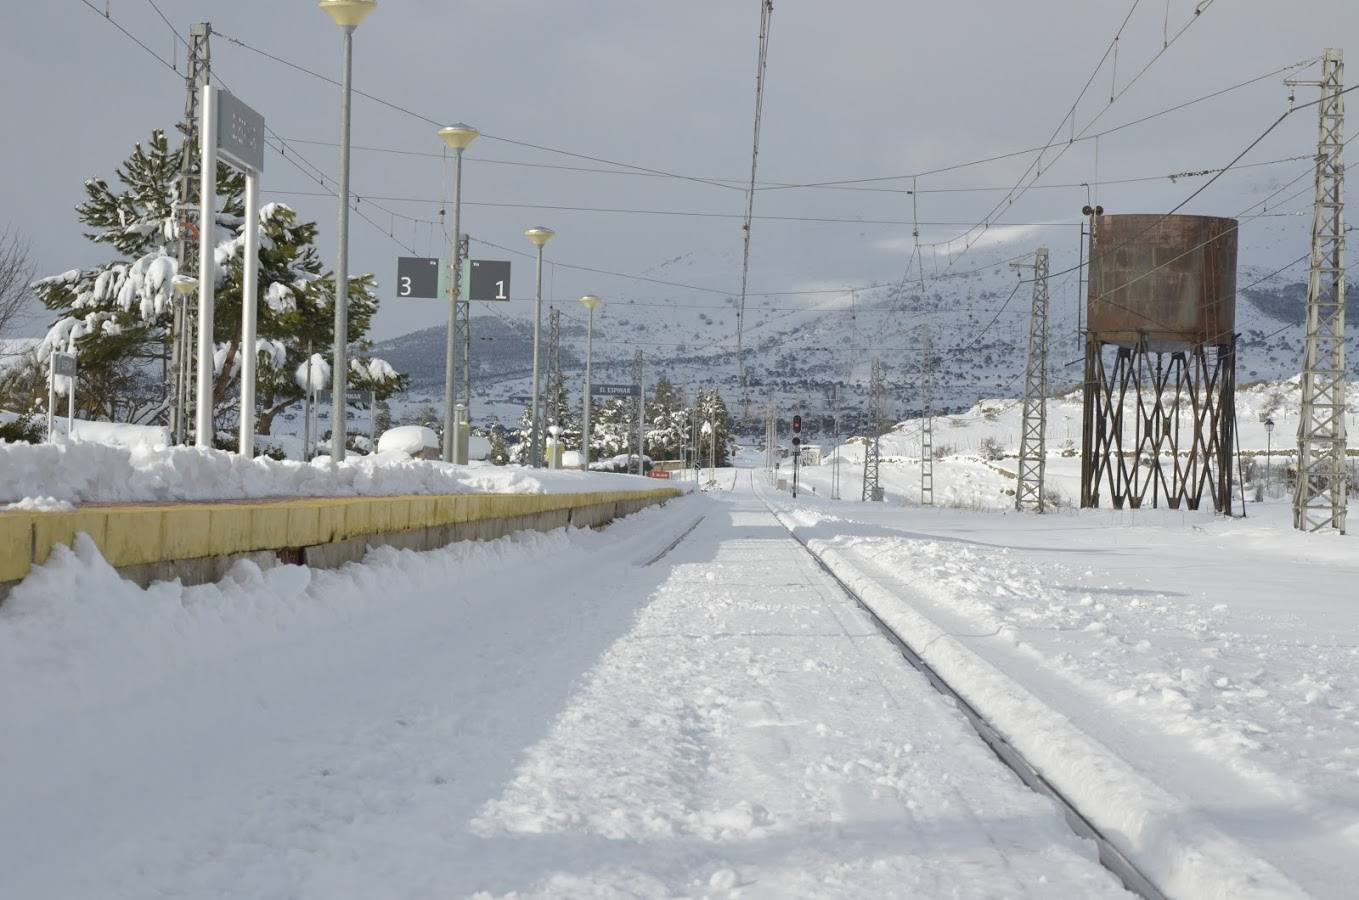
197, 70
926, 425
835, 441
641, 409
872, 489
1033, 433
554, 364
1319, 499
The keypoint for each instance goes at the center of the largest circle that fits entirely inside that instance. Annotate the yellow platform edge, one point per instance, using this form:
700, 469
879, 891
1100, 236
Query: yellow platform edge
138, 534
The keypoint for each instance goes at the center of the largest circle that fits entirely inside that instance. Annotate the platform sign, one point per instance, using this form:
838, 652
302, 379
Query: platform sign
418, 277
488, 279
616, 390
64, 364
240, 133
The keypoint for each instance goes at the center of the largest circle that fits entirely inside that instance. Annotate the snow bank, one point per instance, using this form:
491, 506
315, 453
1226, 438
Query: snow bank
94, 473
412, 440
116, 434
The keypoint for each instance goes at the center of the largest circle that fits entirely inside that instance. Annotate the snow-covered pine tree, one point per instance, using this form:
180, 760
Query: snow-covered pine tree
615, 428
562, 412
710, 407
666, 421
118, 315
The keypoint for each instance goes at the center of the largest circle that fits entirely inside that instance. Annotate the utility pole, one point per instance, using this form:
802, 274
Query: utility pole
462, 330
872, 489
926, 423
554, 362
835, 441
1319, 499
197, 71
641, 409
1033, 433
771, 436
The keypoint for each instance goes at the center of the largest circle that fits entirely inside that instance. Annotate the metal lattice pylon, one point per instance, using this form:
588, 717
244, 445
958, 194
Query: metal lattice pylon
926, 423
197, 72
872, 487
1033, 433
1319, 499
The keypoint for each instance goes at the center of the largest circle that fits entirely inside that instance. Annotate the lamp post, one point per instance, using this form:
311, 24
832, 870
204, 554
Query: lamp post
589, 301
712, 451
348, 14
457, 137
540, 236
1269, 453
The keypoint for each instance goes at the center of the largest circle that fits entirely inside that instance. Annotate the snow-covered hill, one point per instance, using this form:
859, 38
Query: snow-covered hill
798, 347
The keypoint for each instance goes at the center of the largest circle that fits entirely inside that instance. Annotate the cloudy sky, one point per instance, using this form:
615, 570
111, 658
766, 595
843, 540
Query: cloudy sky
860, 89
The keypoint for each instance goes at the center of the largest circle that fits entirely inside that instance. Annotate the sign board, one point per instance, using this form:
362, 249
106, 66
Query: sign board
418, 276
356, 399
616, 390
489, 279
240, 133
658, 473
64, 364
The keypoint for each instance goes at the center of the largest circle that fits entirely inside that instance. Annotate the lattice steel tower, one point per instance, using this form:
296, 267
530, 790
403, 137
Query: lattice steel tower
197, 71
1319, 499
926, 423
872, 489
1033, 433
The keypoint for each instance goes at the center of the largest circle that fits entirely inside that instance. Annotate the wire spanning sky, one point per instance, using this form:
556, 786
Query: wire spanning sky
861, 90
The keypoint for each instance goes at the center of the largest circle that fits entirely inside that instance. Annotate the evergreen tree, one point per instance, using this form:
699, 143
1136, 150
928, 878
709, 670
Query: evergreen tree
615, 428
667, 422
118, 315
499, 455
561, 412
710, 407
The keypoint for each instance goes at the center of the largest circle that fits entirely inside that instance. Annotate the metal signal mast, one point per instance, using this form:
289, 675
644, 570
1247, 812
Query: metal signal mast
1033, 434
872, 488
926, 424
197, 70
766, 11
1319, 499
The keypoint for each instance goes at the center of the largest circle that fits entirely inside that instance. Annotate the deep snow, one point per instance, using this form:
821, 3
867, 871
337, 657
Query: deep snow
95, 473
535, 716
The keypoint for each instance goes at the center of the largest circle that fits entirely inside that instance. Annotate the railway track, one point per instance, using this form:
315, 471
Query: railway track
1110, 856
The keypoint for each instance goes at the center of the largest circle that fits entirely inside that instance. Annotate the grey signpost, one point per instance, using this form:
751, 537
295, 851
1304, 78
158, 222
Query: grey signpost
489, 280
417, 277
236, 132
62, 365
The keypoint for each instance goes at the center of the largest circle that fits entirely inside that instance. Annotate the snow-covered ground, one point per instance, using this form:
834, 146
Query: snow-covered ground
1212, 663
541, 715
96, 473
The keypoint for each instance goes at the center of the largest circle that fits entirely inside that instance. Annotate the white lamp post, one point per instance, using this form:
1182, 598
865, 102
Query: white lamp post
457, 137
540, 236
712, 451
1269, 453
348, 14
589, 301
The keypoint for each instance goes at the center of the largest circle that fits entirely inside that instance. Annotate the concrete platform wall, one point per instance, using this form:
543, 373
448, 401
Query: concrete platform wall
199, 542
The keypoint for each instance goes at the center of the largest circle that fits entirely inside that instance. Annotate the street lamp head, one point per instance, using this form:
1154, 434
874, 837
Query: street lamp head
590, 301
347, 13
458, 136
539, 235
1269, 425
185, 284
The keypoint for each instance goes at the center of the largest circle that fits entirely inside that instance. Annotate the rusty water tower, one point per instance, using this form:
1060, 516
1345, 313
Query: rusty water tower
1160, 361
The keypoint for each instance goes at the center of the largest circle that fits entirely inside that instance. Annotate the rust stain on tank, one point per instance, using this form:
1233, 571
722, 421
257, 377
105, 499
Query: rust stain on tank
1168, 280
